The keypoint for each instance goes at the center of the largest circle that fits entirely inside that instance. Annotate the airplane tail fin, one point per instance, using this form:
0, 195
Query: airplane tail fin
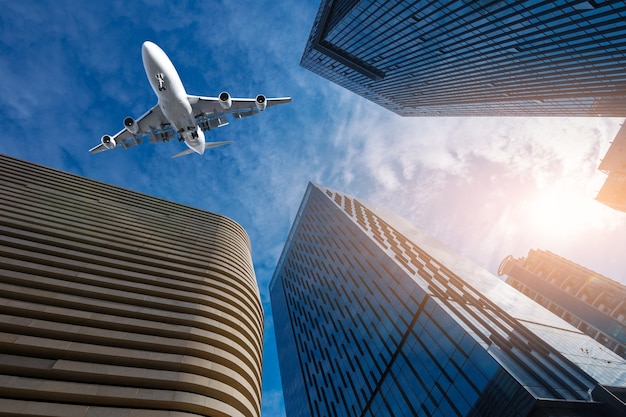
207, 145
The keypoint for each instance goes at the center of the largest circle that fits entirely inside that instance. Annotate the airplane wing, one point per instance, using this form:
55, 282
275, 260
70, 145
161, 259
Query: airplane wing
152, 122
209, 113
238, 107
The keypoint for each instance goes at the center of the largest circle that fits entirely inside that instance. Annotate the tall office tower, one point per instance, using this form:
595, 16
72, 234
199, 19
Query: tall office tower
115, 303
613, 192
475, 58
593, 303
373, 317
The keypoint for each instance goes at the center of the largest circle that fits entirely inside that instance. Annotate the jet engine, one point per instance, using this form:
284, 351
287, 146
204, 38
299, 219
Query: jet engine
261, 102
225, 100
131, 125
108, 142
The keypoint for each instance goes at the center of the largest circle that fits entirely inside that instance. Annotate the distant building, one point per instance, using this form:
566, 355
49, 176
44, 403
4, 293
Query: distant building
613, 192
373, 317
475, 58
115, 303
593, 303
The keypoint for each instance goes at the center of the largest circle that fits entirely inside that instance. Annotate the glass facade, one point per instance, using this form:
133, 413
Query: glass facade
373, 317
473, 58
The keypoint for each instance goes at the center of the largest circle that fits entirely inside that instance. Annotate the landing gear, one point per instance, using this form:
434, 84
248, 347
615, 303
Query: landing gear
191, 132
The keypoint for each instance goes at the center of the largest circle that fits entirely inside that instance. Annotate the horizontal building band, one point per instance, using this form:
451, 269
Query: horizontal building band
104, 394
152, 302
23, 408
136, 347
116, 302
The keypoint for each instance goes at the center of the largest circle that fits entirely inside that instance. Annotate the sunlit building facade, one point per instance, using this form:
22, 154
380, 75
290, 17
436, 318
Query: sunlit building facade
373, 317
475, 58
613, 192
590, 301
115, 303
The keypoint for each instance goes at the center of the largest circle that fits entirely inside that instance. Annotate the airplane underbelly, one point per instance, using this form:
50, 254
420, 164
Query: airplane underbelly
178, 113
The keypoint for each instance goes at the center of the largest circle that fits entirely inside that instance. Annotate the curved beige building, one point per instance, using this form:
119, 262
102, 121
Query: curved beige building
115, 303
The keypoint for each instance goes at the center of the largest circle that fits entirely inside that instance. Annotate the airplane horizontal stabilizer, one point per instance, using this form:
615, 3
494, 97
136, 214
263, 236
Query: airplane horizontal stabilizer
207, 145
185, 152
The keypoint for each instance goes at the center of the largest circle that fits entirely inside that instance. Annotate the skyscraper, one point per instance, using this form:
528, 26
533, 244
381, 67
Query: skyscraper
373, 317
115, 303
475, 58
613, 192
588, 300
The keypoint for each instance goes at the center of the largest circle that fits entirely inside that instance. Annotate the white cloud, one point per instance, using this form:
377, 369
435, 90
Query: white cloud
273, 405
486, 186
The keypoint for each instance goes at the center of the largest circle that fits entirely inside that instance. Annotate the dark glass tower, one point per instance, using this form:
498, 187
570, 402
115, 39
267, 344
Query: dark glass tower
475, 57
593, 303
373, 317
115, 303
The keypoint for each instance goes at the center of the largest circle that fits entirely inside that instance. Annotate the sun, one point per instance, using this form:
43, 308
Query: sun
561, 213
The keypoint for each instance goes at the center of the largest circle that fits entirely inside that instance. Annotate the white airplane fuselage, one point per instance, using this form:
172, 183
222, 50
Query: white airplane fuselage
173, 99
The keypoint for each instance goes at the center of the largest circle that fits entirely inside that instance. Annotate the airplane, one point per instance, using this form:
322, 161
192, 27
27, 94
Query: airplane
178, 114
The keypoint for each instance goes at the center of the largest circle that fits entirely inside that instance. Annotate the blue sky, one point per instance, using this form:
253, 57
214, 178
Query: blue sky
488, 187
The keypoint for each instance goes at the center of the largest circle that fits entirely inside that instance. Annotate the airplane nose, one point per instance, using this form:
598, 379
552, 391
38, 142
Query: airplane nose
151, 50
146, 49
148, 44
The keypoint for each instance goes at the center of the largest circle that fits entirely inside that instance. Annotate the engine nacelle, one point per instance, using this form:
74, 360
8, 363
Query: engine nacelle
131, 125
108, 142
225, 100
261, 102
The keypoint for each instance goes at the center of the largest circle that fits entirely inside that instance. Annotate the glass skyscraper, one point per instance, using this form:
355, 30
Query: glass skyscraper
475, 57
588, 300
373, 317
118, 304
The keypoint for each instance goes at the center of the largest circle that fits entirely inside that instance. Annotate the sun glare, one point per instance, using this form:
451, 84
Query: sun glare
562, 213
